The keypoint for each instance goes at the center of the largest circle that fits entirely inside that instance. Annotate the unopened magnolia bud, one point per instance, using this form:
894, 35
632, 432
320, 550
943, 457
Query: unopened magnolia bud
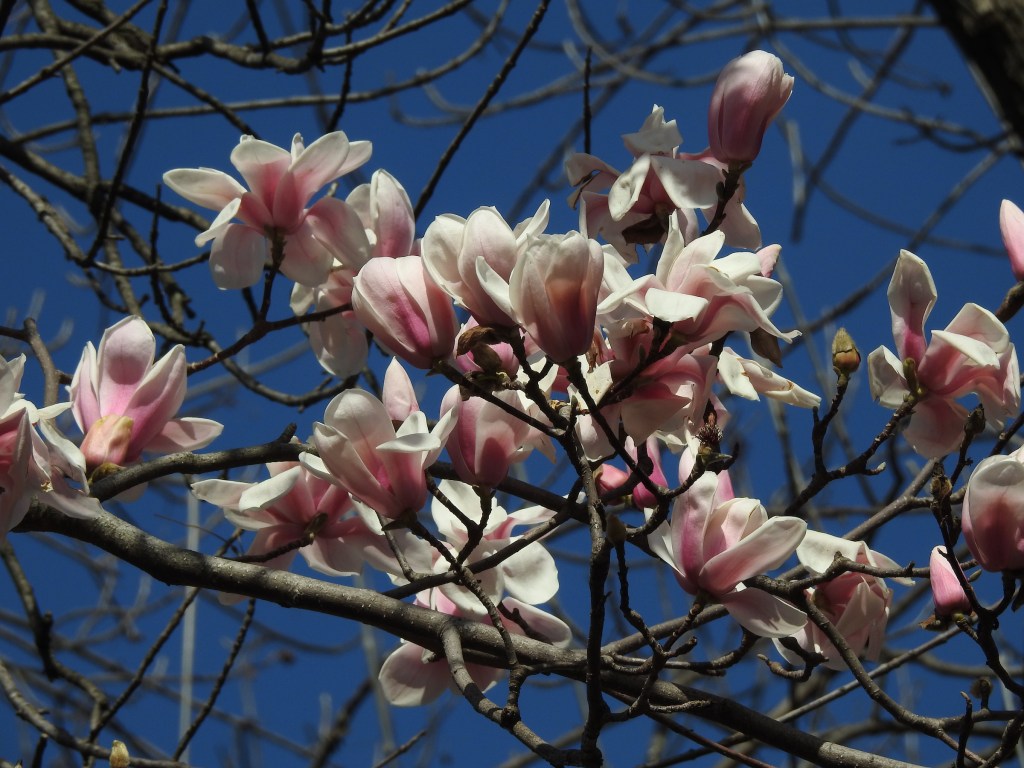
119, 757
845, 355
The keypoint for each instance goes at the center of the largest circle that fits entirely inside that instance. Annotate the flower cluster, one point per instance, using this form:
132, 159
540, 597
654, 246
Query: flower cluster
552, 341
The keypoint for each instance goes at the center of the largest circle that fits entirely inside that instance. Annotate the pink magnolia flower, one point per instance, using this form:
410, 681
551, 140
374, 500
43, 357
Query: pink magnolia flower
405, 309
1011, 226
751, 90
361, 451
703, 297
472, 259
387, 215
286, 507
973, 354
125, 404
28, 467
611, 478
530, 575
993, 513
486, 440
857, 604
635, 207
554, 290
947, 592
714, 541
412, 676
281, 184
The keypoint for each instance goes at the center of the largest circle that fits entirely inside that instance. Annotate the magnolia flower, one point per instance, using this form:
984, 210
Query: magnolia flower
750, 379
412, 676
714, 541
384, 208
28, 467
1011, 226
702, 297
993, 513
472, 259
659, 186
750, 91
857, 604
281, 184
529, 575
973, 354
405, 309
553, 291
125, 404
361, 451
295, 505
486, 439
947, 591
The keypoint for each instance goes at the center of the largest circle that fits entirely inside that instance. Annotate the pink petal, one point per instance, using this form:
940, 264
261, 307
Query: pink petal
766, 548
911, 295
125, 356
237, 257
763, 614
204, 186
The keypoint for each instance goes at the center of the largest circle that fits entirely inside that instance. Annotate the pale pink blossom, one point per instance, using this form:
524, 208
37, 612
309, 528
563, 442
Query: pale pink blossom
947, 591
412, 676
125, 403
972, 355
553, 291
611, 478
750, 91
749, 379
405, 309
701, 296
530, 575
293, 504
31, 468
380, 467
857, 604
714, 541
387, 215
635, 207
993, 513
472, 259
487, 440
281, 184
1011, 226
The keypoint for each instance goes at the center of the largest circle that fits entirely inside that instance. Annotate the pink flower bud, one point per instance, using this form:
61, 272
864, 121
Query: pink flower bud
405, 309
947, 593
748, 95
554, 291
1011, 225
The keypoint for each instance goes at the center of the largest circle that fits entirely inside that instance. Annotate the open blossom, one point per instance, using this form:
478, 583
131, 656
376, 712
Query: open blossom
714, 541
857, 604
973, 354
380, 467
701, 296
993, 514
295, 505
635, 206
281, 184
751, 90
412, 675
125, 403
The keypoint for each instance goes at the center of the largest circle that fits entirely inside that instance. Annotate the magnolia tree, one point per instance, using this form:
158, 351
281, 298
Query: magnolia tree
522, 436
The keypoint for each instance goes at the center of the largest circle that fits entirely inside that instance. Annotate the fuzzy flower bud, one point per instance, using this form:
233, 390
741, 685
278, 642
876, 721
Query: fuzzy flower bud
845, 355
